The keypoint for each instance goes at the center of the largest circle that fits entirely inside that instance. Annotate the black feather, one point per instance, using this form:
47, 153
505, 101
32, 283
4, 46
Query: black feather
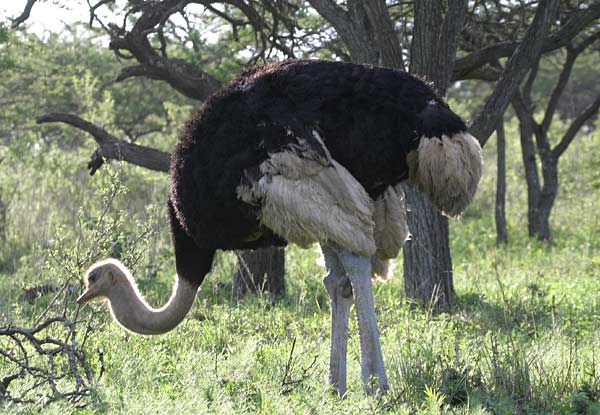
369, 118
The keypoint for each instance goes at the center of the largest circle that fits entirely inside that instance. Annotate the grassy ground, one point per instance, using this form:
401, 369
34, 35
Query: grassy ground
522, 339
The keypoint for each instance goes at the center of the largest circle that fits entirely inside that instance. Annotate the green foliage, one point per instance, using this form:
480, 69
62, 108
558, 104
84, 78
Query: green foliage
3, 33
72, 74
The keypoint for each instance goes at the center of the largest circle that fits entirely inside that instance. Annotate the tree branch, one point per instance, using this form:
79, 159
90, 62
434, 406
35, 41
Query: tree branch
515, 70
186, 78
350, 27
111, 147
577, 22
563, 79
23, 16
135, 71
485, 73
575, 127
266, 18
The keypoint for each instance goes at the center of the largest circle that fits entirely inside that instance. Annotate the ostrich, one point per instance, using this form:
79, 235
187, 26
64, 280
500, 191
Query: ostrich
304, 151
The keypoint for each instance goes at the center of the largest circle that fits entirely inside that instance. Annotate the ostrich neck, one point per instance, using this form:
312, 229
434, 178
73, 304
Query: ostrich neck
132, 312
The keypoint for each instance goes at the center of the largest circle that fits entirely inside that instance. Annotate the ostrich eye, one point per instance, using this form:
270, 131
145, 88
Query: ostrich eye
92, 278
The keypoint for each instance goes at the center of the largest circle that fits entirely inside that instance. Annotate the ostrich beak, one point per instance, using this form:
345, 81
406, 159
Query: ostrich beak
86, 296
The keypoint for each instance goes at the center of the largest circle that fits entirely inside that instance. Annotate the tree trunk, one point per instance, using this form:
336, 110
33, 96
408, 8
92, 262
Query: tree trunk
540, 197
547, 196
501, 231
260, 270
532, 178
427, 260
436, 29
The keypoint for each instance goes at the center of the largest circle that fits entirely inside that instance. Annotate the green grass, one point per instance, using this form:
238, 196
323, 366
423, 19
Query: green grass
523, 338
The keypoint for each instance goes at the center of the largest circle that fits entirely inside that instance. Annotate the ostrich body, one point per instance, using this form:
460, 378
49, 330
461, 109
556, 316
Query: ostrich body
305, 151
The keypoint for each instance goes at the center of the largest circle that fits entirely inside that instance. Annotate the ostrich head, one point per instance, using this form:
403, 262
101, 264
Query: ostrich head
112, 281
101, 280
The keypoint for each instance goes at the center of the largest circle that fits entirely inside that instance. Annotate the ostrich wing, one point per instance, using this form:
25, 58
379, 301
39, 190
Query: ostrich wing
306, 196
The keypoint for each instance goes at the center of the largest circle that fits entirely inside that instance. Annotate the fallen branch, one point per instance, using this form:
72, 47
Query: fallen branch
46, 368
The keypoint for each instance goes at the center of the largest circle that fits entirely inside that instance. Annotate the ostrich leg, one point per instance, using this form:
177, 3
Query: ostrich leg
358, 269
340, 294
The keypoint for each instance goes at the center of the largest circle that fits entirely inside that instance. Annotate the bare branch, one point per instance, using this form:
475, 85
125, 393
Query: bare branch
485, 73
181, 75
111, 147
135, 71
23, 16
587, 42
333, 13
575, 127
515, 70
577, 22
95, 7
29, 356
563, 79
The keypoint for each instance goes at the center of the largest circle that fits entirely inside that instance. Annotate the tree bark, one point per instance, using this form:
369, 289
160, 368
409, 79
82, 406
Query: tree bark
111, 147
547, 198
3, 209
500, 211
254, 269
22, 18
532, 178
427, 259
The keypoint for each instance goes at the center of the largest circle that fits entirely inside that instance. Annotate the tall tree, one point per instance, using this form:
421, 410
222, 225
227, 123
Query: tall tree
427, 259
535, 140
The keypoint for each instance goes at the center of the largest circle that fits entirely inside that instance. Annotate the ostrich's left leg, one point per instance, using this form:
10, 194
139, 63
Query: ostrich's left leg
340, 295
358, 268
